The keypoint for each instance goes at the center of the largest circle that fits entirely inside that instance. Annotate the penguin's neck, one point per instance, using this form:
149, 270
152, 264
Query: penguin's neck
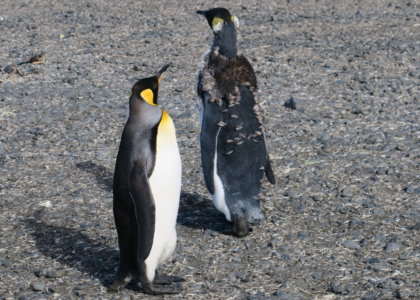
141, 110
226, 41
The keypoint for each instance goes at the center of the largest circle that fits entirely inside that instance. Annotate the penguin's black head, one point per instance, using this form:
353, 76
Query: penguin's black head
218, 17
146, 89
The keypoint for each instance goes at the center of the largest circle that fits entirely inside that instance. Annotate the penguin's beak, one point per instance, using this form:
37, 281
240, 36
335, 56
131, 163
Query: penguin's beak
201, 12
160, 73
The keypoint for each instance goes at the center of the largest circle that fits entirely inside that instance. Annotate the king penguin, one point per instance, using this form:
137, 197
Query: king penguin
233, 148
147, 187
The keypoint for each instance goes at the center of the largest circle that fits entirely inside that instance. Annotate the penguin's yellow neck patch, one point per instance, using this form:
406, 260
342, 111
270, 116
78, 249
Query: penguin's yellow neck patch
147, 95
216, 21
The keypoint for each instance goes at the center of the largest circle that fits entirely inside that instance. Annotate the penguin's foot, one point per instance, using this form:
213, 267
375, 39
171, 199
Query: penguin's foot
120, 281
166, 279
151, 289
240, 228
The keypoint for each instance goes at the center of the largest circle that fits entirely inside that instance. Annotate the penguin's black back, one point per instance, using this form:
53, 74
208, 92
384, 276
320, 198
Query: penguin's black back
135, 163
241, 163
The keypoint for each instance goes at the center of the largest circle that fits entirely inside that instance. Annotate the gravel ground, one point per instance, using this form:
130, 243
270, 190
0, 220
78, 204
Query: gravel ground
342, 220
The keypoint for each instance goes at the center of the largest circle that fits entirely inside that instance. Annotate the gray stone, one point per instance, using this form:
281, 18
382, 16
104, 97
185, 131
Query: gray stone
390, 247
281, 295
317, 275
39, 286
378, 211
46, 120
381, 171
51, 274
103, 154
351, 244
62, 273
409, 189
336, 288
358, 110
346, 192
402, 295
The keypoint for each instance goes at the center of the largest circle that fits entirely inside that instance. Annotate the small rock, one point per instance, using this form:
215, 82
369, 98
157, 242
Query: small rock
102, 155
373, 260
336, 288
51, 274
381, 171
46, 120
295, 103
358, 110
392, 247
378, 211
390, 171
39, 286
402, 295
409, 189
346, 192
351, 244
62, 273
400, 147
281, 295
416, 226
353, 223
317, 275
80, 292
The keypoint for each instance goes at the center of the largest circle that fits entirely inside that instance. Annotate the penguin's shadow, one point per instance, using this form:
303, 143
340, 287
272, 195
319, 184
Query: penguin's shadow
103, 177
198, 212
195, 211
74, 249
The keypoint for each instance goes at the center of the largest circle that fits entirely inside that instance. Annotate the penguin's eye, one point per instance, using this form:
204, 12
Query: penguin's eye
147, 95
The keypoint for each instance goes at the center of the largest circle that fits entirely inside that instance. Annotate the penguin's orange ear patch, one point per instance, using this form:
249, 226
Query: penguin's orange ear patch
147, 95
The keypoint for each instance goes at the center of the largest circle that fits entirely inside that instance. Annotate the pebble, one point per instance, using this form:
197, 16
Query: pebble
392, 247
39, 286
402, 295
351, 244
51, 274
336, 288
281, 295
46, 120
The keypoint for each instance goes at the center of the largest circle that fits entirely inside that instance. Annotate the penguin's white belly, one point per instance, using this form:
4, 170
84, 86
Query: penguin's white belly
219, 193
165, 183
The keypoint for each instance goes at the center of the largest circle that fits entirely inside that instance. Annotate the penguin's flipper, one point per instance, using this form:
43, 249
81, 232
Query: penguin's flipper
209, 131
144, 206
269, 172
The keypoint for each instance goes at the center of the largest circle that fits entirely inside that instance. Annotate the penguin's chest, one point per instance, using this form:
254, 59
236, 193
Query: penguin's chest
165, 181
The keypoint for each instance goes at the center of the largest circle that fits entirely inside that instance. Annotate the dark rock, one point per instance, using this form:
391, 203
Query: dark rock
295, 103
373, 260
51, 274
281, 295
402, 295
353, 223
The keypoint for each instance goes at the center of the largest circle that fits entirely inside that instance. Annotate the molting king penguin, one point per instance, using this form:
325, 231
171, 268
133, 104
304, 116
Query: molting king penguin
147, 187
233, 148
